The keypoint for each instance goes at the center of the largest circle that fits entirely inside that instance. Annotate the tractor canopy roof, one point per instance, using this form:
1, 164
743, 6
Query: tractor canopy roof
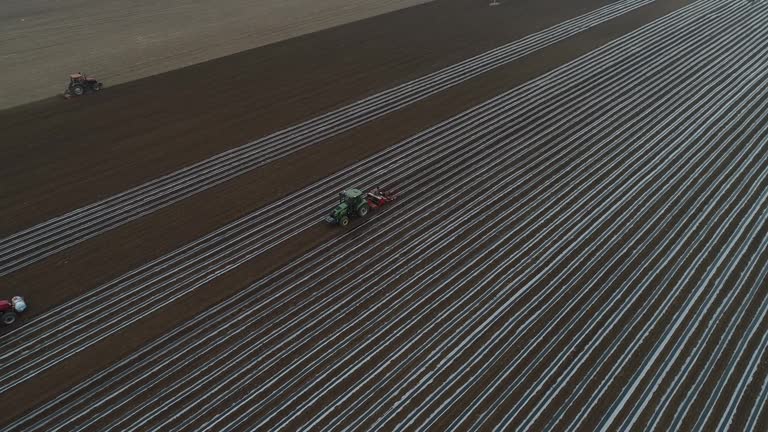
76, 76
352, 193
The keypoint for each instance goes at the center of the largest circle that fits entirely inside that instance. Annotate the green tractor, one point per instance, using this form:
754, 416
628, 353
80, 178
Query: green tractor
359, 203
351, 202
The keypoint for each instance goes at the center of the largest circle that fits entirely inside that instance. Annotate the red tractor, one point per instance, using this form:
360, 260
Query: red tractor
10, 309
80, 84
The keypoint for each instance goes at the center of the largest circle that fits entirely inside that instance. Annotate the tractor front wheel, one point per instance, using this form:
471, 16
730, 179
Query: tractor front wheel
97, 87
9, 318
363, 210
344, 221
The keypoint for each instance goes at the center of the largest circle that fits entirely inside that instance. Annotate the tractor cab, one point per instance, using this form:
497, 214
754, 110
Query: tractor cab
351, 196
81, 78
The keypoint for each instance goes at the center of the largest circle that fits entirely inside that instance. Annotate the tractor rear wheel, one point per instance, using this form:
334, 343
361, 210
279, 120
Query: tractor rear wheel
9, 318
363, 210
78, 90
344, 221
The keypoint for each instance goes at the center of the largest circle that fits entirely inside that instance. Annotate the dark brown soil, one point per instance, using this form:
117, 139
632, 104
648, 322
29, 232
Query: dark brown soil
59, 155
62, 155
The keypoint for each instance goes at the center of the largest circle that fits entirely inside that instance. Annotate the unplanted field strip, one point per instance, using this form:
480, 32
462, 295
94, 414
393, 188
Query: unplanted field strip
45, 239
63, 407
